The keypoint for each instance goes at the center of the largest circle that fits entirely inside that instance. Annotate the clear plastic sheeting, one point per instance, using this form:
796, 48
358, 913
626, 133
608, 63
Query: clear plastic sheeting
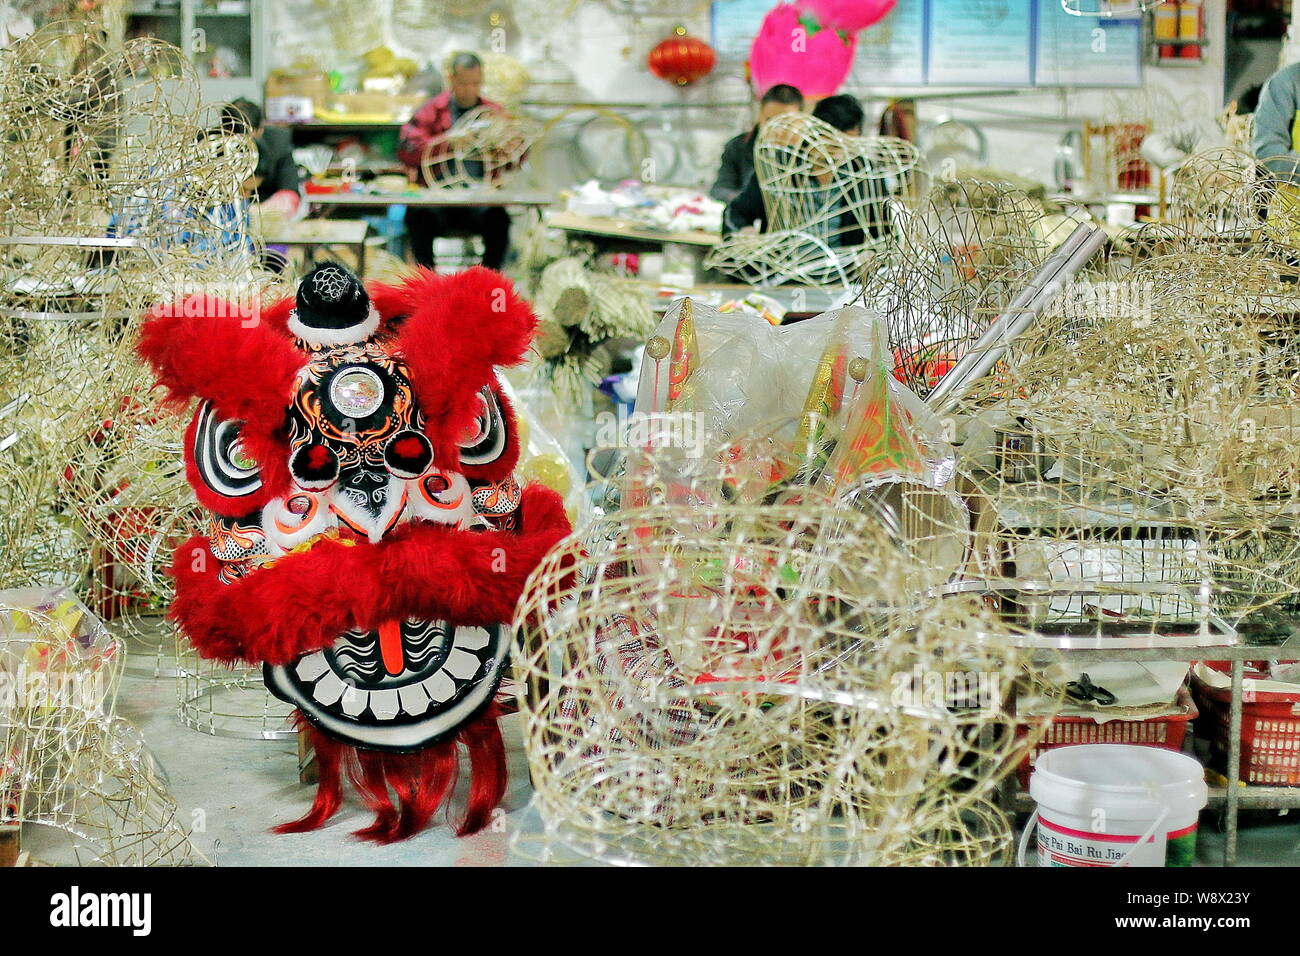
785, 414
77, 784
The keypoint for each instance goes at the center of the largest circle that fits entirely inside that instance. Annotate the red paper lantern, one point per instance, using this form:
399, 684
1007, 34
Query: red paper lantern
681, 59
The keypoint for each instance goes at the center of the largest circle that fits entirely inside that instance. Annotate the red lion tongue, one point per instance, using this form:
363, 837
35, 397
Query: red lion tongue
390, 647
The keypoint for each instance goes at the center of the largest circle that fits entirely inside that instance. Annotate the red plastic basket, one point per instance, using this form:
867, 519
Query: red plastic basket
1270, 731
1168, 731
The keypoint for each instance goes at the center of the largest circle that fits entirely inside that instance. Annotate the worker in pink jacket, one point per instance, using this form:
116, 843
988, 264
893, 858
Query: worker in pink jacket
426, 132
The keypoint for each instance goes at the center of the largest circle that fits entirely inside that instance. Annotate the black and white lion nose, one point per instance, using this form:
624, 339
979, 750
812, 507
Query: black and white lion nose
369, 500
366, 489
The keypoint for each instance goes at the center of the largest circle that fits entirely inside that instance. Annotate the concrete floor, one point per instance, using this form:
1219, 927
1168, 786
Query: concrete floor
234, 790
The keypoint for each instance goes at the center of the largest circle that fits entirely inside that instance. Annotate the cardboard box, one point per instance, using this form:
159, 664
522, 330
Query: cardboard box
313, 86
289, 109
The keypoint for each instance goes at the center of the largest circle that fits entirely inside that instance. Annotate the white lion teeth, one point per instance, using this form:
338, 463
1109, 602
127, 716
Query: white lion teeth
354, 701
472, 638
383, 704
312, 666
461, 663
328, 689
440, 687
414, 700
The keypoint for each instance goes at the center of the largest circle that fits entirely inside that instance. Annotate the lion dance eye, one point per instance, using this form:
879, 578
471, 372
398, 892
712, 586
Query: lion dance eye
487, 440
314, 466
225, 468
408, 454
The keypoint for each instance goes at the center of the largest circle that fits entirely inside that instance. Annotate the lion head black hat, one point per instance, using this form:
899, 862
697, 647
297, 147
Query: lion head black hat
332, 308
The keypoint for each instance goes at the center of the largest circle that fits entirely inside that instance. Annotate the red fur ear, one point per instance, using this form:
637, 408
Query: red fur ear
276, 315
457, 329
244, 364
205, 348
394, 302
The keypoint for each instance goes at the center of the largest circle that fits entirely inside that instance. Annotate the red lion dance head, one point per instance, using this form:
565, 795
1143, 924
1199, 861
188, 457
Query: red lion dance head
368, 540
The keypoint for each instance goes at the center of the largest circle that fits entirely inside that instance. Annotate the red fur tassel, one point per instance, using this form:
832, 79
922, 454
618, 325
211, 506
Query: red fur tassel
422, 782
366, 771
329, 788
487, 762
422, 785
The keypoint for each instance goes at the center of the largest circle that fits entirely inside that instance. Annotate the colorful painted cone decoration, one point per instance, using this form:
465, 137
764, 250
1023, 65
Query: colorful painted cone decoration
810, 44
850, 16
879, 439
685, 360
786, 50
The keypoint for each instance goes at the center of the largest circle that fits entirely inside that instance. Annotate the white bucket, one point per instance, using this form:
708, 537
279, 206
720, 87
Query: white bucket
1115, 805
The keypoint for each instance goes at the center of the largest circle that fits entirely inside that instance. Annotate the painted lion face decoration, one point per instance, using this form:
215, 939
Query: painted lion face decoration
368, 539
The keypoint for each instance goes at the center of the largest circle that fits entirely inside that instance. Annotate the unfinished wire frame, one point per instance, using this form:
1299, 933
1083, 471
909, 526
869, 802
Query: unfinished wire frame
125, 486
77, 784
831, 202
958, 260
1133, 462
1220, 198
759, 684
120, 191
485, 147
227, 700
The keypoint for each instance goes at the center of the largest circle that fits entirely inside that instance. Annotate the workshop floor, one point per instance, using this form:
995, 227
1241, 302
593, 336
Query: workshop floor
234, 790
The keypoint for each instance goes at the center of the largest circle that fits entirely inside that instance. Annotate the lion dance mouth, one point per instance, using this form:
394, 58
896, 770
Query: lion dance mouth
368, 539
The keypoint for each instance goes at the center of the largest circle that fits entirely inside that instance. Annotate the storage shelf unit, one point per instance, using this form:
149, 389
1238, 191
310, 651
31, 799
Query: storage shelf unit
1233, 798
204, 28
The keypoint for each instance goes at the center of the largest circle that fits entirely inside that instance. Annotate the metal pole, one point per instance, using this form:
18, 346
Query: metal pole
1023, 311
1234, 764
1046, 272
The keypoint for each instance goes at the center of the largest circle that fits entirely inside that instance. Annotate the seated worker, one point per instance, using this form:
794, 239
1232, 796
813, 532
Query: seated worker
844, 113
425, 132
738, 155
180, 209
279, 180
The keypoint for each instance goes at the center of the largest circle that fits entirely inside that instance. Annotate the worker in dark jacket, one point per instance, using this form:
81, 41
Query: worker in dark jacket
276, 170
844, 113
738, 155
1277, 125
